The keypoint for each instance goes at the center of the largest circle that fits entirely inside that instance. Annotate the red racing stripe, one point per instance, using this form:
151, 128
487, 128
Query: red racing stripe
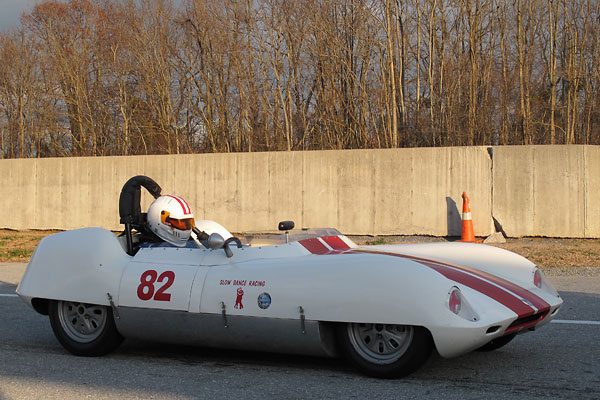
335, 242
492, 291
458, 273
315, 246
182, 203
537, 302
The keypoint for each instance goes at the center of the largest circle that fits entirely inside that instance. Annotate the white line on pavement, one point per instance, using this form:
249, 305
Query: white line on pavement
8, 295
575, 322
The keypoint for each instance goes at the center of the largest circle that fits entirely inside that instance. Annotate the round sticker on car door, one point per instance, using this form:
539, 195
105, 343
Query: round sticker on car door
264, 300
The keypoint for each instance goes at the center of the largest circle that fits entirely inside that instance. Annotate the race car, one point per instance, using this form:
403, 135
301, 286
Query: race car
384, 308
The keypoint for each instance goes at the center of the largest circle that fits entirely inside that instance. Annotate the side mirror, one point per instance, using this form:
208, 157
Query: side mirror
216, 241
286, 225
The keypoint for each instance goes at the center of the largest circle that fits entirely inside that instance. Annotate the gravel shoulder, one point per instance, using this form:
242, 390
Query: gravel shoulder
11, 273
556, 256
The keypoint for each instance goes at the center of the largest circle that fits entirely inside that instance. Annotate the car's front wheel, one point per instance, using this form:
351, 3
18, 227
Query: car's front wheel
84, 329
385, 350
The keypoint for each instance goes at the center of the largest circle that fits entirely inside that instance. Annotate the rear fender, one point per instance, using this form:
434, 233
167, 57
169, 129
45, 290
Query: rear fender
82, 265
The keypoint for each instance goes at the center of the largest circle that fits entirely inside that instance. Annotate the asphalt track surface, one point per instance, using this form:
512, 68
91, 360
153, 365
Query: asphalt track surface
560, 360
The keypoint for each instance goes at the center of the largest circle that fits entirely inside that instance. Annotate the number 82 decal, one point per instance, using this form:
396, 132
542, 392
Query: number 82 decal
145, 290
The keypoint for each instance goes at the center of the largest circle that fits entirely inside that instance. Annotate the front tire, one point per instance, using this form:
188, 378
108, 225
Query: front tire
385, 351
84, 329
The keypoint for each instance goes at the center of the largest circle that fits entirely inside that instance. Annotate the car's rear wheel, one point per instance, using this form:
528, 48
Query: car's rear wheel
497, 343
84, 329
385, 351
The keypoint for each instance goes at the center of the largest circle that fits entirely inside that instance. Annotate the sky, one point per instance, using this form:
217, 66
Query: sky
11, 10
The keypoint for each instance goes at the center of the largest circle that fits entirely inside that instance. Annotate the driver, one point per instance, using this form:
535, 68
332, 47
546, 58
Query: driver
171, 219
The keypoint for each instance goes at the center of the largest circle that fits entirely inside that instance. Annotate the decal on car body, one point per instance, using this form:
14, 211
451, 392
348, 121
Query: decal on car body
264, 300
145, 290
238, 299
325, 245
244, 282
151, 285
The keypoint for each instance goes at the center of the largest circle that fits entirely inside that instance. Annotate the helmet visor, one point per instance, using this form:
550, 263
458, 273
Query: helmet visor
183, 224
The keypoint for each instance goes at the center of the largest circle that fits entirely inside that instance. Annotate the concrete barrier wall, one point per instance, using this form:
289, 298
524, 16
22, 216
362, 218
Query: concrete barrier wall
547, 190
532, 190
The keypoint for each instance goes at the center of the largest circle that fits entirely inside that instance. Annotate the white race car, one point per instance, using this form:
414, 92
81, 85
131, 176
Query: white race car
384, 308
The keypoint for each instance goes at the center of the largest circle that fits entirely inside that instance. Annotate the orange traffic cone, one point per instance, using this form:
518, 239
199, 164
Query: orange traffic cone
468, 235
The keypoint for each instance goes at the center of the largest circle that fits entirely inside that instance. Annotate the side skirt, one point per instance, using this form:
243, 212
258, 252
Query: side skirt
245, 333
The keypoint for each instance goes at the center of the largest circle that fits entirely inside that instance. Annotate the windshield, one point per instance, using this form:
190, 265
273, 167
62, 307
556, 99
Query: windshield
294, 236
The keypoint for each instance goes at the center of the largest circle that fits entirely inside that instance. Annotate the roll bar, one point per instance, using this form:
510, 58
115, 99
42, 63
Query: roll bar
129, 205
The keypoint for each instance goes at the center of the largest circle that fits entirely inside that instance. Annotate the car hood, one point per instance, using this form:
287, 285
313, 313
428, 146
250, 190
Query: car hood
489, 259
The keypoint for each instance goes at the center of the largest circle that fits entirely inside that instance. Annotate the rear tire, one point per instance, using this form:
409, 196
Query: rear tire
84, 329
385, 351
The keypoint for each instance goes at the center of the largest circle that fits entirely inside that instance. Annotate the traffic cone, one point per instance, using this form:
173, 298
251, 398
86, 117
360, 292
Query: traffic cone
468, 235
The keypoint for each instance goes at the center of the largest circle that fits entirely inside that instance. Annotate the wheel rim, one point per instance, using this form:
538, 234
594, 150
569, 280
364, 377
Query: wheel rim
82, 322
380, 343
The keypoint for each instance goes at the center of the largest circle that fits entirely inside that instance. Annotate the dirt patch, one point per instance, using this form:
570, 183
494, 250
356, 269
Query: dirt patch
18, 246
544, 252
557, 252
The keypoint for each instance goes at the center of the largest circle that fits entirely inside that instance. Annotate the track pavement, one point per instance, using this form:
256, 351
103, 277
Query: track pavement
560, 360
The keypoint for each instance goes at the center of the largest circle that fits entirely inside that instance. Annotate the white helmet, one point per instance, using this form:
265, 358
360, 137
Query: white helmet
171, 218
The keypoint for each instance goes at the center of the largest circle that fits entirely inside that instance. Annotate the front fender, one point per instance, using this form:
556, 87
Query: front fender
490, 259
82, 265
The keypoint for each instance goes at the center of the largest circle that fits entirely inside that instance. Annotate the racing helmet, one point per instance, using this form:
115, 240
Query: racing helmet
171, 219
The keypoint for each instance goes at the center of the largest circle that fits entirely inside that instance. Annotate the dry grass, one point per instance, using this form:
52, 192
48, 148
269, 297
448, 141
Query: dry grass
557, 252
544, 252
17, 246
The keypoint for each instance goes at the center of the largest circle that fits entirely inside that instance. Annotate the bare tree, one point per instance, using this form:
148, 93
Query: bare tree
157, 76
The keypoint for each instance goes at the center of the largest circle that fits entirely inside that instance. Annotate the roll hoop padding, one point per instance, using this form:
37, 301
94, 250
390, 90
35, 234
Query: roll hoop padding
129, 200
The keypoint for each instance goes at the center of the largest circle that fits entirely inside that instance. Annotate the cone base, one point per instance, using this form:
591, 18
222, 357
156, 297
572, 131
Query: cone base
471, 241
